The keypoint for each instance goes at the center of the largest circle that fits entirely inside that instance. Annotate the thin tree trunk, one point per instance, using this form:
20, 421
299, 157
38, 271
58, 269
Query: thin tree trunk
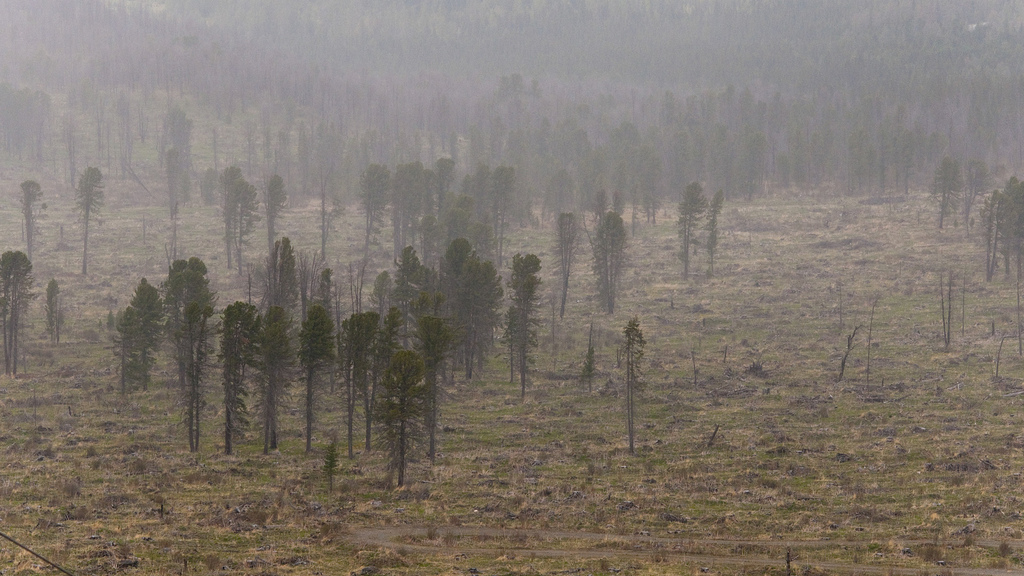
367, 407
85, 246
871, 325
228, 425
309, 410
401, 454
351, 416
432, 417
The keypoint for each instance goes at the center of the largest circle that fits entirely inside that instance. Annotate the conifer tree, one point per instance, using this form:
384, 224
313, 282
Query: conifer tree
524, 285
691, 211
385, 344
609, 247
316, 350
30, 195
355, 349
633, 355
589, 368
435, 339
54, 311
186, 283
138, 335
239, 350
195, 336
401, 409
88, 199
276, 360
15, 295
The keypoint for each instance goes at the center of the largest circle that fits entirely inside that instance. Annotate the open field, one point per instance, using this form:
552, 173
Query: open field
917, 470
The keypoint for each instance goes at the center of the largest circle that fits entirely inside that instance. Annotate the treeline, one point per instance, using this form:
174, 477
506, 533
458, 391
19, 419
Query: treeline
861, 98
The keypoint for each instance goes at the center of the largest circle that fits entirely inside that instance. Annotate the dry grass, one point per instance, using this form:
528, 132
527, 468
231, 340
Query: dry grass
926, 453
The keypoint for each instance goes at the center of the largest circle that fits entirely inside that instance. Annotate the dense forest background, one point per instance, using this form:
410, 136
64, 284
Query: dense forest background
634, 99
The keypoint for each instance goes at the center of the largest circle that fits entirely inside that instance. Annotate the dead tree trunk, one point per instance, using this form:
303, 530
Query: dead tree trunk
946, 298
871, 326
846, 355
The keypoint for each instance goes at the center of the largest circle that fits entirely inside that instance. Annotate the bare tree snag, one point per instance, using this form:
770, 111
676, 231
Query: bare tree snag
846, 355
871, 325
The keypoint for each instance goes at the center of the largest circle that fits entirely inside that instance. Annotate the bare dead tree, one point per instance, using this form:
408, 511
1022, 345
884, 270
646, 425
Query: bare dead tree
871, 325
1020, 346
999, 354
849, 348
963, 305
946, 301
311, 265
356, 275
839, 288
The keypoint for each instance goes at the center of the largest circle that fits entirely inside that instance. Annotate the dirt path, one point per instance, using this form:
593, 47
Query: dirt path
635, 546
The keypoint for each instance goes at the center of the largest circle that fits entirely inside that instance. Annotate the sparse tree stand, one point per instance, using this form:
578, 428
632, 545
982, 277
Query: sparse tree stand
88, 199
15, 295
633, 355
692, 209
239, 346
401, 408
30, 195
316, 342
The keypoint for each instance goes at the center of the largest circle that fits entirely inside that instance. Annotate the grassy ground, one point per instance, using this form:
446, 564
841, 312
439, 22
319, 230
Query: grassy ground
920, 464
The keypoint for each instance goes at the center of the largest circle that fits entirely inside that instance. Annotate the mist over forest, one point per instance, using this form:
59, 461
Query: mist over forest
527, 287
858, 97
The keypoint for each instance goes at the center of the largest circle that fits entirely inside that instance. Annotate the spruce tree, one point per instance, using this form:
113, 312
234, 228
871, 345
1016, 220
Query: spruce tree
88, 200
316, 342
435, 339
401, 408
524, 285
691, 211
239, 350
